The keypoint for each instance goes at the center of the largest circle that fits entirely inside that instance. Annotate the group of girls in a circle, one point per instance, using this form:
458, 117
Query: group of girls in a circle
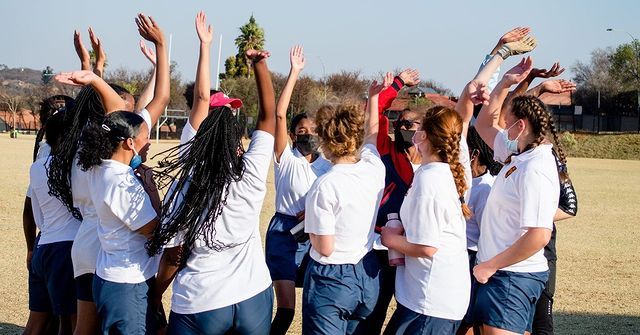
428, 215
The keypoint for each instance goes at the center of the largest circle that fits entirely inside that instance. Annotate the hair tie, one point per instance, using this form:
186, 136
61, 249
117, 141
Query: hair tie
461, 200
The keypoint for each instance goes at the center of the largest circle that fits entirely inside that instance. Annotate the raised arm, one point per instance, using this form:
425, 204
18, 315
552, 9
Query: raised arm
81, 51
202, 86
372, 119
553, 86
149, 30
296, 57
147, 93
487, 123
98, 51
111, 101
266, 96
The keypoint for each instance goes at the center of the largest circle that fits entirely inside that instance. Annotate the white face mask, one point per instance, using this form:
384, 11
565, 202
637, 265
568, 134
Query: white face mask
511, 145
415, 141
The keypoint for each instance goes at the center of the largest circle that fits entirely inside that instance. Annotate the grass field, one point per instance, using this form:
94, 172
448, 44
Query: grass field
598, 288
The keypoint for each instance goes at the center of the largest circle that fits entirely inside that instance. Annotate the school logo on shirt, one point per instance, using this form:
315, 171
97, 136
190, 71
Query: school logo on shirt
510, 171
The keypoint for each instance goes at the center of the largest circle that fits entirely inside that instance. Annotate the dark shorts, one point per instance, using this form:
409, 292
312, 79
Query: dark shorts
374, 322
337, 297
286, 258
508, 300
543, 319
84, 287
51, 283
252, 316
125, 308
406, 321
468, 317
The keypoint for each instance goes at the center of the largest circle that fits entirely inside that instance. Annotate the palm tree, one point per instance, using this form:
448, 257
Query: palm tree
251, 37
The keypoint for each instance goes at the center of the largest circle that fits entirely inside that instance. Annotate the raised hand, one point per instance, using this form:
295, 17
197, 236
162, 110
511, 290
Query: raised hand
375, 88
148, 52
518, 47
410, 77
514, 34
557, 86
257, 55
205, 32
96, 44
519, 72
76, 78
478, 92
296, 56
83, 54
149, 29
555, 71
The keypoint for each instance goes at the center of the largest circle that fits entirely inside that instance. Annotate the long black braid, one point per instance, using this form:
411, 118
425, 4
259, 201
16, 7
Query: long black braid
48, 107
87, 107
199, 172
485, 154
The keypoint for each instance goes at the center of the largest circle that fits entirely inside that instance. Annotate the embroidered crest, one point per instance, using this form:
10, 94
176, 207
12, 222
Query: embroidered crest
511, 170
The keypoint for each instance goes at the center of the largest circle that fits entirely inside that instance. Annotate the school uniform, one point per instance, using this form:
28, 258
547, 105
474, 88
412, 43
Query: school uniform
293, 176
341, 289
44, 150
86, 244
51, 284
524, 195
228, 290
432, 293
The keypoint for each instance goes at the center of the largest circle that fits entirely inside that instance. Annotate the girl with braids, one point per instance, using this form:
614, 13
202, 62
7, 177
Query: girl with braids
432, 289
295, 169
49, 107
211, 219
51, 284
518, 218
125, 274
341, 283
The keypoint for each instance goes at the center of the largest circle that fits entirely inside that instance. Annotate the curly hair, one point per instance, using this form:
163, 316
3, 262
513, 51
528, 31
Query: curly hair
100, 140
49, 107
443, 127
340, 129
536, 112
199, 173
485, 154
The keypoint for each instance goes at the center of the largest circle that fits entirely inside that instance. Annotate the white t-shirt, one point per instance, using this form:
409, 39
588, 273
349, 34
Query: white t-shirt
465, 160
55, 222
344, 202
44, 150
215, 279
524, 195
122, 206
294, 175
86, 245
478, 199
144, 113
431, 215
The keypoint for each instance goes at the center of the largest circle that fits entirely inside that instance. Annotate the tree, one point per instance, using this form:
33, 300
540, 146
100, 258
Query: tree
596, 75
13, 103
251, 37
625, 65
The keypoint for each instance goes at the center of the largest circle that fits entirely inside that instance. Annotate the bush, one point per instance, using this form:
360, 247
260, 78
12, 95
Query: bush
568, 142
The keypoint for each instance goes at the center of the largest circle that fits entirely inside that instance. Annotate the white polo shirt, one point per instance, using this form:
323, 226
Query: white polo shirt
344, 202
293, 176
477, 201
122, 206
215, 279
55, 222
431, 215
524, 195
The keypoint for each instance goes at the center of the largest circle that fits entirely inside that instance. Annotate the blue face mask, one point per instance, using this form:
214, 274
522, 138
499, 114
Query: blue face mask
512, 145
136, 160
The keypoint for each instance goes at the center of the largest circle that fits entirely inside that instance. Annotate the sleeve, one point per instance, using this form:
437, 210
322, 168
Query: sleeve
258, 156
500, 152
320, 208
537, 207
495, 77
188, 132
465, 160
176, 241
129, 202
369, 154
287, 154
423, 224
144, 113
385, 99
482, 194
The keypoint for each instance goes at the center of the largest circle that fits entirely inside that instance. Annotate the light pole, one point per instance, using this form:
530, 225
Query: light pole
636, 55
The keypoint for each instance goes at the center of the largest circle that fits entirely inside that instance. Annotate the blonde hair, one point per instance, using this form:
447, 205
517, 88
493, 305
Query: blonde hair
443, 127
340, 129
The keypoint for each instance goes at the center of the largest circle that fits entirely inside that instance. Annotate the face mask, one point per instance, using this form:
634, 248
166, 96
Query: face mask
136, 160
404, 136
307, 144
511, 145
414, 139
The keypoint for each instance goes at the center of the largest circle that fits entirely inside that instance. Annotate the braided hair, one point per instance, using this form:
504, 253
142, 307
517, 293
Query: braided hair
199, 173
536, 112
443, 127
49, 107
485, 154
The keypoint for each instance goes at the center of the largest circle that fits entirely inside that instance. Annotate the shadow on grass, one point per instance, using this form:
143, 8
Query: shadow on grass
10, 329
584, 323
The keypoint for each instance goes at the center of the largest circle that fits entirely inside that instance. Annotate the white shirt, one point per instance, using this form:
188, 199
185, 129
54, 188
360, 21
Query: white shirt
477, 201
293, 176
212, 279
344, 202
44, 150
55, 222
465, 160
86, 244
524, 195
122, 206
431, 215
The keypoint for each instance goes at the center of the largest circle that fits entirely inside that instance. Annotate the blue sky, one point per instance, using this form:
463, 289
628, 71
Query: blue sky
445, 40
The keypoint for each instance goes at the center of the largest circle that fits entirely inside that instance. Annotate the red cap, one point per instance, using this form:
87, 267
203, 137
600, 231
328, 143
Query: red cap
220, 99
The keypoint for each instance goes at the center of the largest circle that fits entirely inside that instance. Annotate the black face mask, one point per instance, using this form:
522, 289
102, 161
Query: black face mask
404, 138
306, 144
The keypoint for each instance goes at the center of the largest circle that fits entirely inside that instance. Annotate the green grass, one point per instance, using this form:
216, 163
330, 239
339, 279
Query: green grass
614, 146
